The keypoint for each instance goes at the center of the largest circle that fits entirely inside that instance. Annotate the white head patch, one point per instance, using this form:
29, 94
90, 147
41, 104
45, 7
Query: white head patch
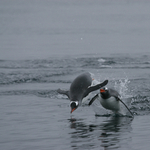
76, 102
105, 88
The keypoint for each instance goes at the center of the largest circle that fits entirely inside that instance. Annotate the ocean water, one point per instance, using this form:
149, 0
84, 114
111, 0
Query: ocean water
44, 45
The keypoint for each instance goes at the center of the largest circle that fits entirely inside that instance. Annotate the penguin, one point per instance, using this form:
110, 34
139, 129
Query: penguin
110, 99
80, 88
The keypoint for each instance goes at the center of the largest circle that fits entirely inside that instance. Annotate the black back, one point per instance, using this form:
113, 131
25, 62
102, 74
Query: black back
79, 86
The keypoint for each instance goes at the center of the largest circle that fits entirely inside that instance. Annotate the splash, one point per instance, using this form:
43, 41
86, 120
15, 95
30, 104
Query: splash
122, 87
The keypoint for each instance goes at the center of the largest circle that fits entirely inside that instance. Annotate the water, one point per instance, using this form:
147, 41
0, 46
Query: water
44, 45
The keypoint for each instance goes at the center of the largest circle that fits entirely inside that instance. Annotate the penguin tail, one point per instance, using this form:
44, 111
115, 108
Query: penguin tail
63, 92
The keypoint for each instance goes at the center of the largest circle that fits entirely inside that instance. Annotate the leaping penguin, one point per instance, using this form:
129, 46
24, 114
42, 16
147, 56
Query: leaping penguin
110, 99
80, 88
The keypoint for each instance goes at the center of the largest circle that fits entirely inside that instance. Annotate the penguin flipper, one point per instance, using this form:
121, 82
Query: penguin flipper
125, 106
63, 92
93, 99
96, 87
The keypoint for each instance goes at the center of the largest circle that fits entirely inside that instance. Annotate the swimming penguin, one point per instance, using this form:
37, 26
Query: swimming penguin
80, 88
110, 99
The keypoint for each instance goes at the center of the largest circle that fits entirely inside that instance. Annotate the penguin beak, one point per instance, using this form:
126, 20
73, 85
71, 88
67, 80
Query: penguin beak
72, 110
102, 90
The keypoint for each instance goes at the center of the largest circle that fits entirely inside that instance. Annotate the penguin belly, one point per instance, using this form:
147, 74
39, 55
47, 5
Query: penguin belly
110, 103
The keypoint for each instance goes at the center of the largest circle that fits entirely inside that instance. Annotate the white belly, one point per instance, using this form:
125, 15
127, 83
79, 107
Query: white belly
111, 103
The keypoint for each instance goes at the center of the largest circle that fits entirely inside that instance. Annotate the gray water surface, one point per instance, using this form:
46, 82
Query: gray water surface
44, 45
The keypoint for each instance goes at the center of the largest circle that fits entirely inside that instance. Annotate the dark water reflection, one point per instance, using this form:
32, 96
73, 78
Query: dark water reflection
111, 133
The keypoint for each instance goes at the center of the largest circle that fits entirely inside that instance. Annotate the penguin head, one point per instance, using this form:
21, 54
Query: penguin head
104, 93
74, 105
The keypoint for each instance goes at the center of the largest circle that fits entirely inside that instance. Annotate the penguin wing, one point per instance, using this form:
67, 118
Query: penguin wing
93, 99
63, 92
118, 98
94, 88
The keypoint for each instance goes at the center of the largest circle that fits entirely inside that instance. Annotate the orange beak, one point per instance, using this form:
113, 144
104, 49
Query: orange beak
102, 90
72, 110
